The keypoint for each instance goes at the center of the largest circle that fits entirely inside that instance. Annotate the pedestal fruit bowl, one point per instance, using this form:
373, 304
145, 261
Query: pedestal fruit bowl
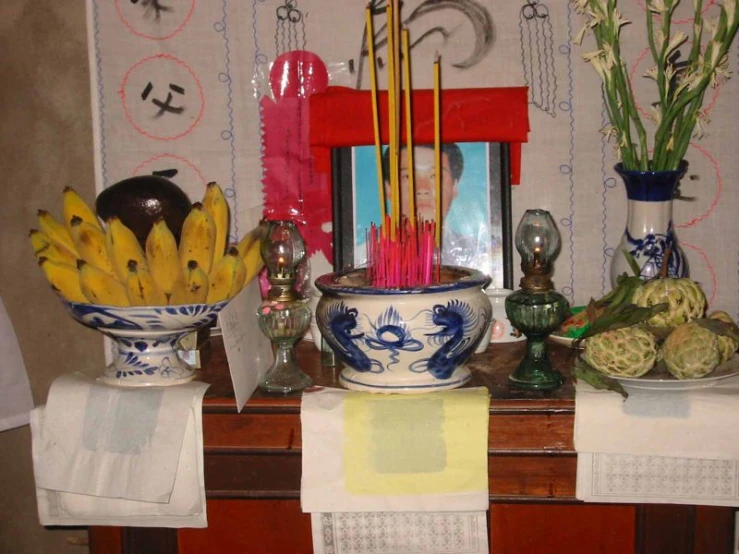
404, 340
147, 339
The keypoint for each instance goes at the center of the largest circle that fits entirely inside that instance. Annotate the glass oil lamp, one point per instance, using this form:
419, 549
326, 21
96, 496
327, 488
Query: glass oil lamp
283, 317
536, 309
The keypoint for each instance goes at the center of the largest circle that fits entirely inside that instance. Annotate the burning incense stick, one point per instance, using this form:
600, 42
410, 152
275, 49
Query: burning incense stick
375, 111
437, 148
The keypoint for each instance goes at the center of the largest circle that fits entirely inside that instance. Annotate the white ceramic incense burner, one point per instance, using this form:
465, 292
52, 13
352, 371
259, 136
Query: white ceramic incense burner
404, 340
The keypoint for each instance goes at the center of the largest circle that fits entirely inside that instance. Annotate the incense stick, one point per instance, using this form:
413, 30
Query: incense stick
375, 111
409, 128
437, 148
391, 103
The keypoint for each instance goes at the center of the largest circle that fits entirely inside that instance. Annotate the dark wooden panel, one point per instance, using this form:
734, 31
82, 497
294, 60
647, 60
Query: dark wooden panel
568, 529
149, 540
665, 529
521, 478
714, 530
507, 433
105, 540
250, 526
252, 476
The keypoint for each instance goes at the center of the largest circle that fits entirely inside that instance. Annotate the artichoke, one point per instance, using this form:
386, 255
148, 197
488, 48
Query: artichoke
726, 345
691, 351
625, 352
685, 299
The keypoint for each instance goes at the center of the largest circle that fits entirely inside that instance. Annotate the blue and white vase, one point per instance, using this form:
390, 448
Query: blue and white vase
650, 233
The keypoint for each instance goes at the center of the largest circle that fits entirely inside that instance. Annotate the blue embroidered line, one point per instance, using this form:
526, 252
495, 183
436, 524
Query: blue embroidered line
228, 135
603, 144
259, 58
101, 98
568, 169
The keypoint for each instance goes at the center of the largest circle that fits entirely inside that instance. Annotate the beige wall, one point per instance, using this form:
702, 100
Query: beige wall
45, 144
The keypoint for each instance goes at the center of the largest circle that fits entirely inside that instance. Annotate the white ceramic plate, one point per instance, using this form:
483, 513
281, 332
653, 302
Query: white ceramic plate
665, 382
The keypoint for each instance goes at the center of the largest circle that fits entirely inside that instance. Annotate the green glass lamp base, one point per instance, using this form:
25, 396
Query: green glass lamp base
536, 315
535, 372
283, 323
285, 376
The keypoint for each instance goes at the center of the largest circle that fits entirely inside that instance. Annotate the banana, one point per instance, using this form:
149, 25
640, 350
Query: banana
214, 202
90, 245
191, 287
198, 238
253, 262
64, 279
74, 205
56, 231
122, 246
141, 288
226, 278
100, 287
249, 248
44, 247
162, 256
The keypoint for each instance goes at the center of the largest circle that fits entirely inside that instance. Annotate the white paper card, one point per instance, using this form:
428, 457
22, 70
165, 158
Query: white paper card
15, 392
248, 351
400, 533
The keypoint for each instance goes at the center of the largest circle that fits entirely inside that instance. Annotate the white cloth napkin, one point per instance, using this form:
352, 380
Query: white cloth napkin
16, 401
679, 447
105, 455
395, 453
396, 474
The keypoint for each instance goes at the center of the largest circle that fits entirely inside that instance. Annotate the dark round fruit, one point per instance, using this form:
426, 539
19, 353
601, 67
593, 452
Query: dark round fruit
139, 201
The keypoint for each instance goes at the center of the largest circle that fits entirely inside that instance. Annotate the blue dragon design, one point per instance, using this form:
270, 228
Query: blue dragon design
342, 322
457, 321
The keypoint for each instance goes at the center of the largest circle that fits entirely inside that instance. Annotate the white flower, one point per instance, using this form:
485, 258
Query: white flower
659, 39
655, 114
581, 34
671, 143
580, 5
721, 73
669, 72
715, 52
701, 125
619, 20
609, 57
710, 24
657, 6
609, 132
596, 60
675, 41
651, 73
730, 9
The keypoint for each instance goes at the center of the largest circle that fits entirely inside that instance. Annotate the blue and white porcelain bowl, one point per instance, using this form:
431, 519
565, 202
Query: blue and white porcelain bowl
147, 339
404, 340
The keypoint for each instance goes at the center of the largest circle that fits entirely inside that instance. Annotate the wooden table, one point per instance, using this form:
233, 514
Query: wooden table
253, 465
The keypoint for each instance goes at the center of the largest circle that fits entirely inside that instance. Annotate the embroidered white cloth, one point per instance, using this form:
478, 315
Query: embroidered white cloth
105, 455
395, 473
658, 446
16, 401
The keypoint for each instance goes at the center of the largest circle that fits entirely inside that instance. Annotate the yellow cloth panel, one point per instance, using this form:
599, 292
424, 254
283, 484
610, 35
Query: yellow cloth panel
403, 445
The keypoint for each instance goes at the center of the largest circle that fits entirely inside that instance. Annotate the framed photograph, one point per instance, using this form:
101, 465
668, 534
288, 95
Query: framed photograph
476, 204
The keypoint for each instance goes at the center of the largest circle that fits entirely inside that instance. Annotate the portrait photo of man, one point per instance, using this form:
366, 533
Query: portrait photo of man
471, 222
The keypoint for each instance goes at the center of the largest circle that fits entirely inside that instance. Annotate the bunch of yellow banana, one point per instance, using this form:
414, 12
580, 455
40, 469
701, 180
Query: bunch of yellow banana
90, 263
